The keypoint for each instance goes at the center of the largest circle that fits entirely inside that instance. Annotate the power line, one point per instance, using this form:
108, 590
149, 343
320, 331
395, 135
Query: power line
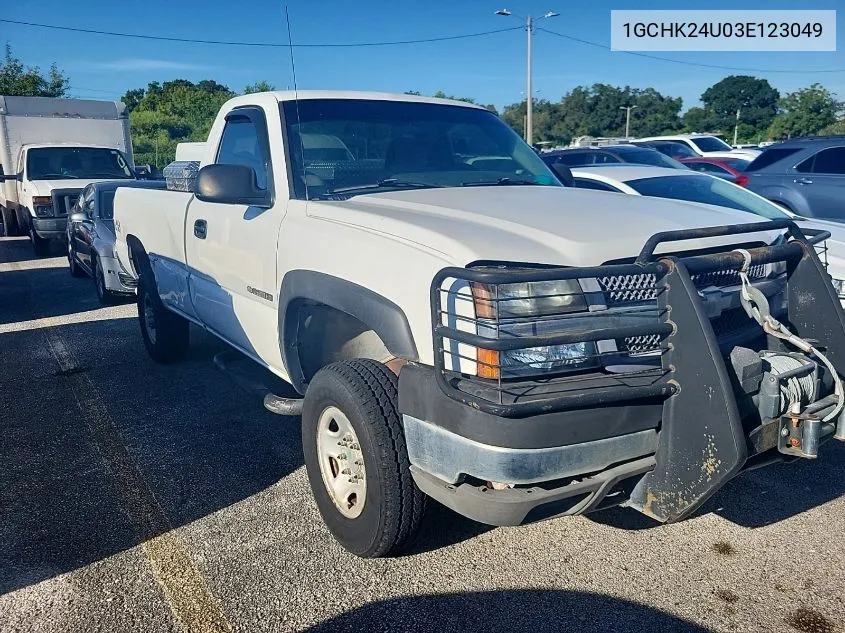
255, 44
686, 63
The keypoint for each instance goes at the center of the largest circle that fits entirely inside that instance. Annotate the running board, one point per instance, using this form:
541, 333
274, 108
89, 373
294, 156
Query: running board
245, 373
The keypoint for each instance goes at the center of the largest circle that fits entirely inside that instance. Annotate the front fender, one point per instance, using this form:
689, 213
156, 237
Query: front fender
380, 314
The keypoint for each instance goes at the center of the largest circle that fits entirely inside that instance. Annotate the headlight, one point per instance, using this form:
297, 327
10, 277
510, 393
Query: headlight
494, 305
42, 206
839, 286
534, 299
534, 360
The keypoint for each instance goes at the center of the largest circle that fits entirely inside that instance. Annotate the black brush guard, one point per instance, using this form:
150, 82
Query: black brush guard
702, 442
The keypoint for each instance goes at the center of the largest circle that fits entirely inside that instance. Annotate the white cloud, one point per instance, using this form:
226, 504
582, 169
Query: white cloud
140, 64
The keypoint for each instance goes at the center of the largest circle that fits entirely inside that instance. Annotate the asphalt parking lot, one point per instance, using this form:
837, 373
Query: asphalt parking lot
138, 497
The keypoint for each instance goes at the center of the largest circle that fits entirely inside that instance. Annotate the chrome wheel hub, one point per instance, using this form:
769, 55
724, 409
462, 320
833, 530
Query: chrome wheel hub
341, 462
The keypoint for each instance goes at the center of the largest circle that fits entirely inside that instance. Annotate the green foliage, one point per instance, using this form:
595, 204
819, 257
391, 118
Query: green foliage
805, 112
837, 128
163, 115
259, 86
27, 81
755, 98
598, 111
442, 95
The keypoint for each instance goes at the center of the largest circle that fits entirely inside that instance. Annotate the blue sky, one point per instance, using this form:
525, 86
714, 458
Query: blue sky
490, 68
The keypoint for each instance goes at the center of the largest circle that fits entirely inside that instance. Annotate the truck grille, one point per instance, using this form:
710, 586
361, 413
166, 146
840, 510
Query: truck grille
63, 201
620, 289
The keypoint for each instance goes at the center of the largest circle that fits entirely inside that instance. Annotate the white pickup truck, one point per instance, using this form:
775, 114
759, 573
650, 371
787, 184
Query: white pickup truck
471, 330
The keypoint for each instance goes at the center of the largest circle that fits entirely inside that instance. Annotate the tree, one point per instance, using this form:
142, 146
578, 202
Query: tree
698, 119
28, 81
259, 86
805, 112
163, 115
755, 99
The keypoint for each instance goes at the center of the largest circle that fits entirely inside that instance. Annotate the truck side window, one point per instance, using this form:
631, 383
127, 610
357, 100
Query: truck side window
240, 146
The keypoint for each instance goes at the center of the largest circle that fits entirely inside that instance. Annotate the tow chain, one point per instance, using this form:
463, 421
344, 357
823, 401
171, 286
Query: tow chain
756, 305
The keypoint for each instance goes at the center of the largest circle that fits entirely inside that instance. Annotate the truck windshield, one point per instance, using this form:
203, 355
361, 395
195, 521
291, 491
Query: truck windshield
344, 147
65, 163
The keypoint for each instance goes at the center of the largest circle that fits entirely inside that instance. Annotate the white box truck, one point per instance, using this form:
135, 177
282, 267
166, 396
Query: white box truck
50, 150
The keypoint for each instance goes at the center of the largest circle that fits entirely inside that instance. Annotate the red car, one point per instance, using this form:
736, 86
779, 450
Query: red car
728, 168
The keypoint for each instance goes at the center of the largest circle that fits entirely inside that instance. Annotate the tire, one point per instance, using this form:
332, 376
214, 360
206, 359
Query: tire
166, 334
40, 246
10, 222
75, 268
364, 393
105, 296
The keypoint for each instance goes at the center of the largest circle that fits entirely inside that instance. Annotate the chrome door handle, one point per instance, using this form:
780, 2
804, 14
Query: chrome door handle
804, 181
200, 229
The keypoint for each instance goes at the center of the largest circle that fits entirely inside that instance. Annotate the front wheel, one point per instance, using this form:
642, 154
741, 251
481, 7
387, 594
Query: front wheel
357, 461
40, 246
105, 296
75, 269
165, 334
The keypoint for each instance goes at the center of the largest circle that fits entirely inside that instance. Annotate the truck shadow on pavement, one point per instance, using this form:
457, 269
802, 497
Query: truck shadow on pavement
104, 450
512, 610
761, 497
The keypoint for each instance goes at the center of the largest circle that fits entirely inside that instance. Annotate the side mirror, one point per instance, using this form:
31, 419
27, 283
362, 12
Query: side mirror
77, 217
564, 174
4, 178
231, 184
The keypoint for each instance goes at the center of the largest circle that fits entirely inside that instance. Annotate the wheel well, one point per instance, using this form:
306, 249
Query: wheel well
782, 205
325, 335
137, 254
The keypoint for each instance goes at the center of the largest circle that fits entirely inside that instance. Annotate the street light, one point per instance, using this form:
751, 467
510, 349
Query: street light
627, 119
529, 106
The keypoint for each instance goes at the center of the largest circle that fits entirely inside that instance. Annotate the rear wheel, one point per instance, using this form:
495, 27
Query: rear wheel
357, 461
165, 334
10, 222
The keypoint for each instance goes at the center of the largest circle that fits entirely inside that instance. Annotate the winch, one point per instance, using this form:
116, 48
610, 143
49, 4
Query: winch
786, 385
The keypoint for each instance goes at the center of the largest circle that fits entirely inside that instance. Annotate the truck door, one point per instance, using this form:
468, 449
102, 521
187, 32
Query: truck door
231, 248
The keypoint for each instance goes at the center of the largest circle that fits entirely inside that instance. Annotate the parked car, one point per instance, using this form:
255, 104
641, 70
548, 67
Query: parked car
51, 149
705, 145
689, 187
672, 149
725, 168
90, 239
482, 336
581, 156
805, 176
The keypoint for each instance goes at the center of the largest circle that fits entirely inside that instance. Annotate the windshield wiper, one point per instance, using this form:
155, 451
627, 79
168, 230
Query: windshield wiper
51, 177
499, 182
387, 183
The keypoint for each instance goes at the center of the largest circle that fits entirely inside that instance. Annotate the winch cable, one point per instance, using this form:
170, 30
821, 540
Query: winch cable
756, 305
793, 389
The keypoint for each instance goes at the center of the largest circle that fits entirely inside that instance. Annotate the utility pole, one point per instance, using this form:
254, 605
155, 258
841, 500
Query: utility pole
627, 119
529, 101
736, 125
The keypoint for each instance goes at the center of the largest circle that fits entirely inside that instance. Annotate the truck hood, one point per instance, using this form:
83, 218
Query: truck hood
44, 187
549, 225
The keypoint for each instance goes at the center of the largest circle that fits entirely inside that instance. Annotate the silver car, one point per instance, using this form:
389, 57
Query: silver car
90, 239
